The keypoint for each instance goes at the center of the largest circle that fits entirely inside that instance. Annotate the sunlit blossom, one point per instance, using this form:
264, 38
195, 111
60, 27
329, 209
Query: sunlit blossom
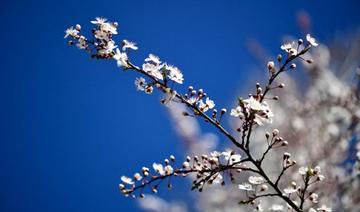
311, 40
121, 59
129, 45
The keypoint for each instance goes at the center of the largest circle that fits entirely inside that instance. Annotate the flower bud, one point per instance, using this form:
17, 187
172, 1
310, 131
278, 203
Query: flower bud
284, 143
264, 188
271, 66
286, 155
78, 27
186, 165
310, 61
275, 132
154, 190
185, 113
121, 186
293, 66
267, 135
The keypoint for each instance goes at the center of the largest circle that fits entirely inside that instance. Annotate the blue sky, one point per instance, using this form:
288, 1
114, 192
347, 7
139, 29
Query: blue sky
71, 126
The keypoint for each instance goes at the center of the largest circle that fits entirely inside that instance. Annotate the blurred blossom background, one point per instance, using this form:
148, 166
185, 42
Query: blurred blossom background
71, 125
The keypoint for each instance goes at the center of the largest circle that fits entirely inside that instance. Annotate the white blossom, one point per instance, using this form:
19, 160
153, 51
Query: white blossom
82, 43
256, 180
99, 21
109, 27
237, 112
121, 59
311, 40
101, 35
159, 168
140, 84
253, 104
317, 170
129, 45
208, 104
137, 176
153, 70
320, 177
246, 187
175, 74
276, 207
290, 48
263, 112
71, 32
168, 169
229, 157
110, 46
127, 180
314, 198
303, 170
218, 179
149, 89
153, 59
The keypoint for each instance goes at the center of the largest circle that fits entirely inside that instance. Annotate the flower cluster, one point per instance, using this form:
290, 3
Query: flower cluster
104, 47
215, 167
292, 48
146, 177
162, 71
253, 108
322, 120
199, 99
208, 169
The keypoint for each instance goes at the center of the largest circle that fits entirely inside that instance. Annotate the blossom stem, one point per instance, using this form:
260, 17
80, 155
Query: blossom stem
261, 172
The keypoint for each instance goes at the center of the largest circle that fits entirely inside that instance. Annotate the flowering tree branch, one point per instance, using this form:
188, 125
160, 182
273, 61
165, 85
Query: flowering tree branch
254, 111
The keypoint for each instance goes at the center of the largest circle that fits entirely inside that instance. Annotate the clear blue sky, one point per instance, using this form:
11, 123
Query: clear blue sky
71, 126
